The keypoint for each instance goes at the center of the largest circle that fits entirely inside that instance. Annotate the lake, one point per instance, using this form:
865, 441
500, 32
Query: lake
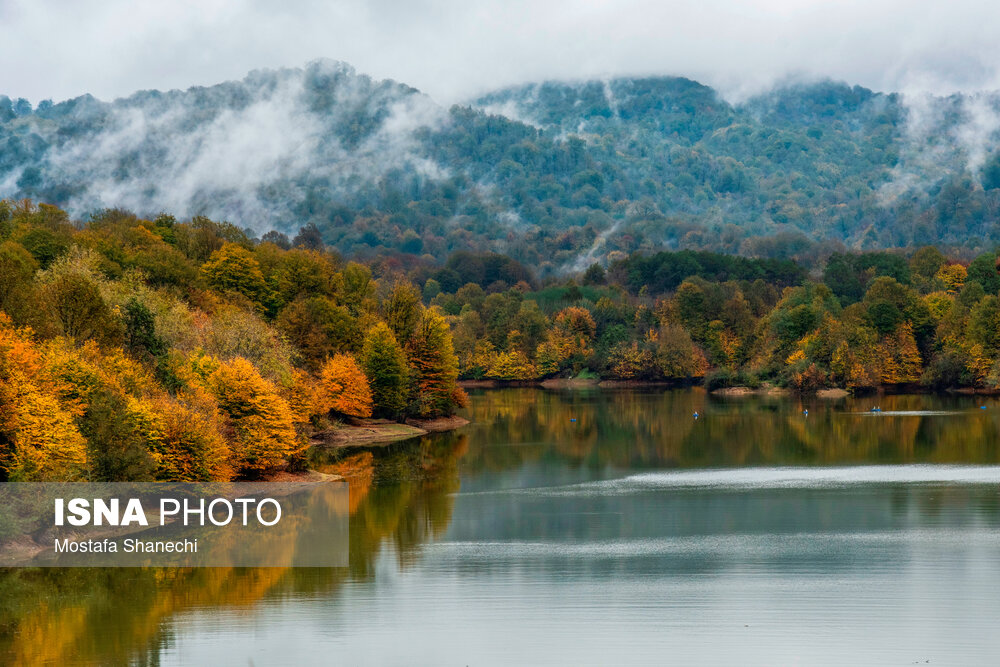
598, 527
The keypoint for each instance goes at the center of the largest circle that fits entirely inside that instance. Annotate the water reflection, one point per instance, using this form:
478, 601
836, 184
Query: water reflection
122, 616
655, 429
632, 533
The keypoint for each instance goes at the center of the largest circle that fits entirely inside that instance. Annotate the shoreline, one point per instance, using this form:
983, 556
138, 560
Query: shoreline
765, 389
383, 431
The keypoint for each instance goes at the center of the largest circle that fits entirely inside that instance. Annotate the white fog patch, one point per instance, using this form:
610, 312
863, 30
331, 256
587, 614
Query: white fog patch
596, 250
978, 135
242, 151
395, 144
235, 153
512, 109
942, 136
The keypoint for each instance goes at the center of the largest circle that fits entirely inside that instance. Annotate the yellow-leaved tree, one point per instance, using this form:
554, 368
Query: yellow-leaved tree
182, 437
259, 419
39, 440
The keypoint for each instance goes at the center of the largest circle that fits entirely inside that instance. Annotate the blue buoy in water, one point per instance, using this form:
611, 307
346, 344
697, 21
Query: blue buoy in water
572, 419
696, 415
982, 407
805, 412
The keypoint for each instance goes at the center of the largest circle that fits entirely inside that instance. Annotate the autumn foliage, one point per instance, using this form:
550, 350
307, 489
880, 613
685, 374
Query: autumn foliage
435, 367
343, 387
39, 440
164, 350
257, 416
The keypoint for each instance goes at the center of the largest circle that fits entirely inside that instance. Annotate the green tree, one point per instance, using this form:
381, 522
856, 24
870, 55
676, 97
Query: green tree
402, 310
79, 309
17, 268
384, 363
983, 270
434, 367
319, 328
116, 451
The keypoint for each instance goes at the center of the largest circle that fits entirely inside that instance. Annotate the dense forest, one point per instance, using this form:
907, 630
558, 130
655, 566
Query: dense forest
554, 175
151, 350
157, 349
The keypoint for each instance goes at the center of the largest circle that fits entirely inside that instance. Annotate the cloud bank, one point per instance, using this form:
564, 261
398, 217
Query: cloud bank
453, 49
250, 150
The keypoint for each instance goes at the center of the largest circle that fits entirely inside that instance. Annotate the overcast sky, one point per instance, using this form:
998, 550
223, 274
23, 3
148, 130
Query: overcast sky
453, 49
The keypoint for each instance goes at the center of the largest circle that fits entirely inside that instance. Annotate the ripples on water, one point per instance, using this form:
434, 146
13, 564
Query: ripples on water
783, 478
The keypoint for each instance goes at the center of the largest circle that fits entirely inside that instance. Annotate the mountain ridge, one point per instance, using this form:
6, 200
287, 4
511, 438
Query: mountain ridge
553, 173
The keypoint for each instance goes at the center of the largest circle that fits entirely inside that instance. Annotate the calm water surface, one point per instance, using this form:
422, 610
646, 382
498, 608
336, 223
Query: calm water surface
598, 527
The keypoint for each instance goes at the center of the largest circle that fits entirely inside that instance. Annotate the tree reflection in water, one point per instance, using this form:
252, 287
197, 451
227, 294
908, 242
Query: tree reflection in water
403, 495
121, 615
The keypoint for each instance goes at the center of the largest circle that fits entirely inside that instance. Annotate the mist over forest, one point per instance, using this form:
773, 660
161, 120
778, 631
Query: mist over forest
557, 175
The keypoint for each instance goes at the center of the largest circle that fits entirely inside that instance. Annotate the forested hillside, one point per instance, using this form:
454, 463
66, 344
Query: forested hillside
555, 175
133, 349
159, 349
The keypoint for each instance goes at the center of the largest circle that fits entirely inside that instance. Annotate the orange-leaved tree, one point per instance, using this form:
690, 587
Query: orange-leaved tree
343, 387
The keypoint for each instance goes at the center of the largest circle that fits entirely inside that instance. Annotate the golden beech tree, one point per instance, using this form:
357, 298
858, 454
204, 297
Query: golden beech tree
547, 359
572, 335
952, 276
629, 361
260, 420
184, 441
233, 268
302, 392
343, 387
39, 440
513, 365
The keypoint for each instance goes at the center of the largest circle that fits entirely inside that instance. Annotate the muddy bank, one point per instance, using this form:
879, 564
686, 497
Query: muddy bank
369, 431
763, 390
438, 424
310, 476
834, 392
569, 383
381, 431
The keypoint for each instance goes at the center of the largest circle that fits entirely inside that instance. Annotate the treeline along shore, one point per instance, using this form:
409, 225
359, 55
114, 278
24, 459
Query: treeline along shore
137, 349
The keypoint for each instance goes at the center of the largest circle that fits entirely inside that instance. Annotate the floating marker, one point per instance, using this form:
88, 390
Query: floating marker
982, 407
805, 412
572, 419
696, 415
